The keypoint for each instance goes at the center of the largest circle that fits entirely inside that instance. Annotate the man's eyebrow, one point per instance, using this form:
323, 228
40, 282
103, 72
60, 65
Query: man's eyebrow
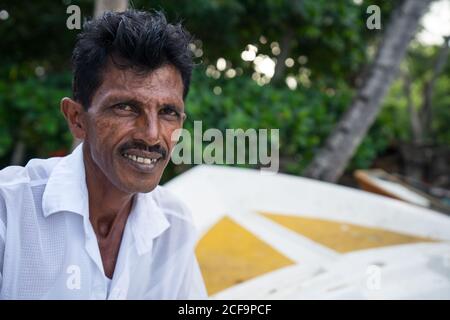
117, 99
113, 100
172, 105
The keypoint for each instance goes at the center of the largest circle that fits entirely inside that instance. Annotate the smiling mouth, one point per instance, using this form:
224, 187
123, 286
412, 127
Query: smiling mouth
140, 160
141, 157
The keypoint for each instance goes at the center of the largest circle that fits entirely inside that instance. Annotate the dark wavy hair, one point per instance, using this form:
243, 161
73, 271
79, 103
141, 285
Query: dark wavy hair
143, 41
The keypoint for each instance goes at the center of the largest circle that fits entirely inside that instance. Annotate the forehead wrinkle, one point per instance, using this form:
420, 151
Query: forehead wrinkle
163, 85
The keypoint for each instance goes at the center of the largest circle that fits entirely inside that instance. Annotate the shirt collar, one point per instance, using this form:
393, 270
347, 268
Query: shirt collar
66, 187
147, 221
66, 190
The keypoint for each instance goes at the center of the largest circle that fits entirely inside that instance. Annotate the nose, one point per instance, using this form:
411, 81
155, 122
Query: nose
148, 129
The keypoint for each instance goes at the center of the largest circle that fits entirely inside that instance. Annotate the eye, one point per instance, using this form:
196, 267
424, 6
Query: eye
170, 111
124, 109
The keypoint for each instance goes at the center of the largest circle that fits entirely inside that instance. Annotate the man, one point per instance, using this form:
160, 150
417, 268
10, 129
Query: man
95, 224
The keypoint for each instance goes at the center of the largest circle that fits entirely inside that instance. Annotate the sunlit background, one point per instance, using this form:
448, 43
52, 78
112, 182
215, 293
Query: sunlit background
261, 64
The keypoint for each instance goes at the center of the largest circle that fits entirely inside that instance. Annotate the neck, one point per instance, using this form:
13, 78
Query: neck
108, 206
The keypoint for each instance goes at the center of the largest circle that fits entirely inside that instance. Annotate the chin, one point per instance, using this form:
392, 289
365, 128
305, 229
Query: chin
140, 186
133, 188
135, 179
148, 188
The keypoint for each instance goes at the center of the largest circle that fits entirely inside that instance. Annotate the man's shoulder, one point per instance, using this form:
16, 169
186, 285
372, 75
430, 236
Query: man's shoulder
34, 172
171, 205
17, 181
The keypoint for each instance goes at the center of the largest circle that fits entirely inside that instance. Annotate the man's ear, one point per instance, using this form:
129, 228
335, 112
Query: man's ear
74, 114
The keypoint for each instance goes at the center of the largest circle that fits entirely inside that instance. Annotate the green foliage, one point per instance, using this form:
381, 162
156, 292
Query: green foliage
330, 36
304, 116
29, 112
441, 109
420, 63
36, 31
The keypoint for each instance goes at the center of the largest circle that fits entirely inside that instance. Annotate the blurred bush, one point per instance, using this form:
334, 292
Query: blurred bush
29, 114
328, 43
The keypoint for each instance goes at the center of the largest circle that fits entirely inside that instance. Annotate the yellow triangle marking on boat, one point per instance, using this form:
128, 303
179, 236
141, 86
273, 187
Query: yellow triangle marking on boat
342, 237
228, 254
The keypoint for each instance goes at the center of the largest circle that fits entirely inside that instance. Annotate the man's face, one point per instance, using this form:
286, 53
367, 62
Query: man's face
129, 126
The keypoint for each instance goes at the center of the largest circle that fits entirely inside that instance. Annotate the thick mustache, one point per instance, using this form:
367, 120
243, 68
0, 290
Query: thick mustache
143, 146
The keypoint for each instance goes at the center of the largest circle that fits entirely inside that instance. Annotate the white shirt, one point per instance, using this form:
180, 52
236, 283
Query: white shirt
48, 248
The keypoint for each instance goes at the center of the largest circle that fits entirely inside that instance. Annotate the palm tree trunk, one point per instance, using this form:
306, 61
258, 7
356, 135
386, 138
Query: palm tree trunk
426, 112
330, 162
18, 154
109, 5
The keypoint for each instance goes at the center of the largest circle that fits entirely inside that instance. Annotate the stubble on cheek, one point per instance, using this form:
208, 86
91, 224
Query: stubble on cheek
102, 140
106, 129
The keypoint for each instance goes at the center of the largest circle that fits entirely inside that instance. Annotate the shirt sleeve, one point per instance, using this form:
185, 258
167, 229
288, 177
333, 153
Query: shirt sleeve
193, 286
2, 237
2, 252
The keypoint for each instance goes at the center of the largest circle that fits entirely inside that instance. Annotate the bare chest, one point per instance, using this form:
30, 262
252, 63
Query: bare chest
109, 246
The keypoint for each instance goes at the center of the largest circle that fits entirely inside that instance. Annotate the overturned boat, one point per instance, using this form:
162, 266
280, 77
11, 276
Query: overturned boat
276, 236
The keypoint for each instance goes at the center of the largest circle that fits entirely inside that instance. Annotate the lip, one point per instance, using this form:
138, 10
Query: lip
142, 153
141, 167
